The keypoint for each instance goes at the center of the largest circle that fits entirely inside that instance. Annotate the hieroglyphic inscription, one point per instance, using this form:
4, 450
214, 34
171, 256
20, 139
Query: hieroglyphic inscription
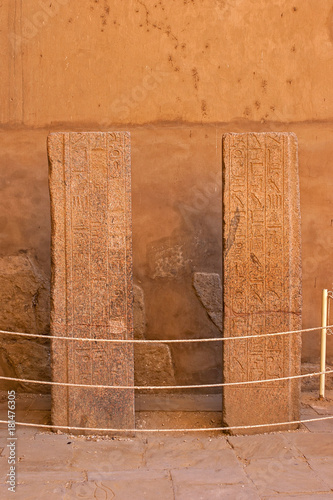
261, 211
92, 266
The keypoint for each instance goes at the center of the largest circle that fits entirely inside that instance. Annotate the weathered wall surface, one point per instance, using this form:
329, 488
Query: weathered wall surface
177, 74
141, 61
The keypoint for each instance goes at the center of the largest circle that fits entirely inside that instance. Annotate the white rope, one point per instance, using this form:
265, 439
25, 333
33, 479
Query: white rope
232, 428
154, 387
160, 341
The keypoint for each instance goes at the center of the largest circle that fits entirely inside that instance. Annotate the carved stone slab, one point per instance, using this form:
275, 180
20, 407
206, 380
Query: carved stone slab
262, 277
90, 187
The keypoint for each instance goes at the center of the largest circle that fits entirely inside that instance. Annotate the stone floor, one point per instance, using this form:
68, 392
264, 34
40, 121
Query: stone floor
187, 466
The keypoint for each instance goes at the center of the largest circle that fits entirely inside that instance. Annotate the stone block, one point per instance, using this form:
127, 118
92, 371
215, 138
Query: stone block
24, 297
209, 290
92, 291
276, 476
313, 445
229, 473
167, 455
141, 485
106, 457
214, 491
323, 468
262, 278
273, 446
153, 365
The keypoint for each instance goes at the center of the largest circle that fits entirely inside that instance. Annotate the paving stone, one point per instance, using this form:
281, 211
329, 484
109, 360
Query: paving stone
189, 442
323, 467
308, 412
215, 443
108, 456
313, 445
320, 425
323, 411
43, 474
51, 437
313, 496
215, 492
129, 445
20, 432
23, 432
272, 476
195, 477
45, 449
193, 467
49, 491
3, 468
128, 475
40, 473
165, 457
3, 433
144, 485
263, 446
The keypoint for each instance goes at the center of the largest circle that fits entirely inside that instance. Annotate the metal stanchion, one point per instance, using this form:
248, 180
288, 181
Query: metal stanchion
323, 344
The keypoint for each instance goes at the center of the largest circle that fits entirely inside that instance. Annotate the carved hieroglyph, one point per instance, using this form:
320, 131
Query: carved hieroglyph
262, 277
90, 186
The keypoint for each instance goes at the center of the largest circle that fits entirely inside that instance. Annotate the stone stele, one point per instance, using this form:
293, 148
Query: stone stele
90, 187
262, 278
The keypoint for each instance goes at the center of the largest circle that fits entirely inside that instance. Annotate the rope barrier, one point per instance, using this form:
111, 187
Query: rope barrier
198, 386
232, 428
160, 341
168, 387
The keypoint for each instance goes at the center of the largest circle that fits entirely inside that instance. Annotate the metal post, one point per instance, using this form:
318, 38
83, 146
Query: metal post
323, 345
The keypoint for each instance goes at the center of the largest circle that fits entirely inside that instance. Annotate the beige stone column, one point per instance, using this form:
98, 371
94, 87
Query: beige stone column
262, 277
90, 187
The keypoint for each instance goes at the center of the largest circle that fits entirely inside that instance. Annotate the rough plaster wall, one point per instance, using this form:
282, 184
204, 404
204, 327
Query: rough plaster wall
177, 74
143, 61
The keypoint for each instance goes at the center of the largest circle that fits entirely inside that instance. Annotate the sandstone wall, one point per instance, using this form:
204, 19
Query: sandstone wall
177, 74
